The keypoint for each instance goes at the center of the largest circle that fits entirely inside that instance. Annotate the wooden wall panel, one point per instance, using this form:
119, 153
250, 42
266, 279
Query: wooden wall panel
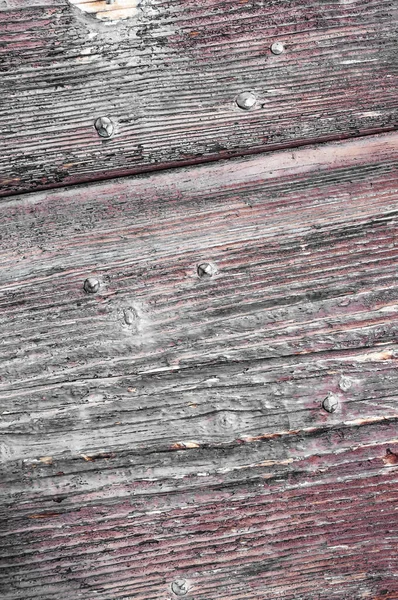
320, 528
169, 76
171, 426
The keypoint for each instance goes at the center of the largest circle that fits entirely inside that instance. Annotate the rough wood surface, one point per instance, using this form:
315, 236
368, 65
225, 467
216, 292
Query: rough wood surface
169, 76
170, 426
104, 11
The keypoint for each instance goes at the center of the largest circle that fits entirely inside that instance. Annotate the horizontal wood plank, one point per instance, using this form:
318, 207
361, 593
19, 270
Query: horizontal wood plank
169, 76
321, 528
171, 427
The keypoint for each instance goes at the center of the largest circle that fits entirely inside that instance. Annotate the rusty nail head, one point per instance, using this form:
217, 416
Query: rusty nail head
104, 126
91, 285
206, 270
277, 48
246, 100
331, 403
180, 587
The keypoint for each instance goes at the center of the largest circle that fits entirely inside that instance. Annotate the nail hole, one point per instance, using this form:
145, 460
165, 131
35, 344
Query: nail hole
180, 587
277, 48
331, 403
91, 285
206, 270
246, 100
105, 127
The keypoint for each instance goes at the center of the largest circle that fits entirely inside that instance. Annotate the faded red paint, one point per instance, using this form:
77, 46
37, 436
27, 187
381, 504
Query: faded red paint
174, 105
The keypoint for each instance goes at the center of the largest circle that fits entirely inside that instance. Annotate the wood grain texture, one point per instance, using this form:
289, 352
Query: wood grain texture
169, 76
118, 9
171, 427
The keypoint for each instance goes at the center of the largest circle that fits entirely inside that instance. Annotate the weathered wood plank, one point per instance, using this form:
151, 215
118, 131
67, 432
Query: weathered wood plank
322, 528
169, 76
172, 426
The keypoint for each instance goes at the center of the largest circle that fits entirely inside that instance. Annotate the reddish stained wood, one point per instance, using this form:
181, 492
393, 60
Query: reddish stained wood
188, 440
169, 77
319, 531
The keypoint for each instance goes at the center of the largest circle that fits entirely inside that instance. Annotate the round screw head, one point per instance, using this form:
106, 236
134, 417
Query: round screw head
277, 48
206, 270
104, 126
331, 403
180, 587
91, 285
246, 100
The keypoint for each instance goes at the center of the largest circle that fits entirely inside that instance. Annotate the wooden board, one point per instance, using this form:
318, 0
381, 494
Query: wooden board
171, 427
169, 76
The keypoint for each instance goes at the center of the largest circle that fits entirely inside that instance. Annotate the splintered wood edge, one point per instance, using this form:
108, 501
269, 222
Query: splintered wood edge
120, 9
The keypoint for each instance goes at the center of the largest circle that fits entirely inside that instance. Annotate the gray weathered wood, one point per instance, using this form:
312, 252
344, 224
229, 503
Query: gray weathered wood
169, 77
171, 426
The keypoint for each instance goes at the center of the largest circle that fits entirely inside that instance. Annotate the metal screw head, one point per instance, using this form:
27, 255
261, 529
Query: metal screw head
277, 48
206, 270
180, 587
91, 285
104, 126
246, 100
331, 403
